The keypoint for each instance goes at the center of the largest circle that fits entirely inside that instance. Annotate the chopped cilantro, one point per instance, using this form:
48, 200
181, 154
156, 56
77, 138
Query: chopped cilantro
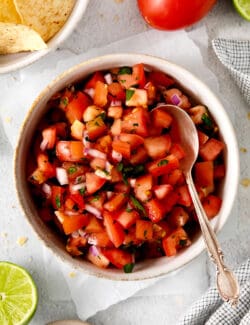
82, 191
96, 198
137, 204
182, 242
128, 268
125, 70
129, 93
72, 170
120, 167
64, 101
58, 201
162, 162
102, 116
129, 209
207, 120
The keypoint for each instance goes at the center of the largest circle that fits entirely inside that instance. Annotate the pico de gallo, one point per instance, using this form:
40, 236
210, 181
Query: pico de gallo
105, 168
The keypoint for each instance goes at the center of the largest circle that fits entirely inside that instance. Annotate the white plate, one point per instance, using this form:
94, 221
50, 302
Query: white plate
11, 62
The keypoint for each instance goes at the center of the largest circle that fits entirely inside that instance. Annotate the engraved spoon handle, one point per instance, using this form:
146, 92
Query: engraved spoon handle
226, 281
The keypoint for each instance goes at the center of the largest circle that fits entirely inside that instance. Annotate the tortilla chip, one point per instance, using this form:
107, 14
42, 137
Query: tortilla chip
45, 17
8, 13
19, 38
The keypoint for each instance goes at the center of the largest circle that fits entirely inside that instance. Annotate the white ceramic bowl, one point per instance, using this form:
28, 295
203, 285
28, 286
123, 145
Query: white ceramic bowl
11, 62
196, 89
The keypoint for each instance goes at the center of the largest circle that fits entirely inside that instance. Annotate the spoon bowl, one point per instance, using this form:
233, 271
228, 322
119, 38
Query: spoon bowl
188, 137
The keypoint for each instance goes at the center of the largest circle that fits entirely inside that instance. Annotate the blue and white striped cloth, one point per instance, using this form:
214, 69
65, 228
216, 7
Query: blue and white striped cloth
235, 56
211, 310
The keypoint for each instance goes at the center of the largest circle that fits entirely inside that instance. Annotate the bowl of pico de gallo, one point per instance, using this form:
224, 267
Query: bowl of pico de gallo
98, 166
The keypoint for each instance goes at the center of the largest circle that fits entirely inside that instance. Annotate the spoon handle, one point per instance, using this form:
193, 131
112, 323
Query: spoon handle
227, 284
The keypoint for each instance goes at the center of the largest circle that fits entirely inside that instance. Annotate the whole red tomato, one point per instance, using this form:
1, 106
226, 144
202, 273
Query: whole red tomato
173, 14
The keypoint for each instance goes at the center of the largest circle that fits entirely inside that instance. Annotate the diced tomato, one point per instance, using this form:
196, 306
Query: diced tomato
116, 127
118, 257
204, 175
75, 170
45, 166
70, 150
100, 239
77, 106
139, 156
116, 202
104, 143
77, 129
211, 205
126, 80
91, 112
161, 119
136, 122
197, 113
133, 139
158, 147
96, 257
151, 91
96, 128
211, 149
219, 171
94, 182
57, 197
159, 78
143, 187
101, 93
49, 137
202, 137
173, 177
123, 148
94, 225
115, 111
116, 176
176, 240
139, 74
163, 166
98, 163
127, 217
91, 83
136, 97
114, 229
184, 196
162, 190
161, 229
117, 91
121, 187
130, 237
38, 177
78, 199
178, 151
72, 223
178, 217
169, 201
74, 245
144, 229
155, 210
98, 200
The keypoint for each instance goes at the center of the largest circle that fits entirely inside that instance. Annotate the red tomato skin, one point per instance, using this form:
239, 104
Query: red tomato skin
173, 14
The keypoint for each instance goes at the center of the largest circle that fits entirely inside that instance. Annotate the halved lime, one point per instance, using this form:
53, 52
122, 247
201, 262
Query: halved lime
243, 8
18, 295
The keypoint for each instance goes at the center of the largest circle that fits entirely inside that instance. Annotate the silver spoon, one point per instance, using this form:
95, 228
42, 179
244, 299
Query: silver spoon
227, 284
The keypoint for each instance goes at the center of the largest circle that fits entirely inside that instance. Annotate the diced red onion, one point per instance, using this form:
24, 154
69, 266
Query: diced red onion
175, 99
90, 92
116, 155
95, 153
93, 210
108, 166
108, 78
77, 187
46, 189
85, 142
110, 194
94, 250
75, 234
71, 213
116, 103
103, 174
62, 176
132, 182
44, 144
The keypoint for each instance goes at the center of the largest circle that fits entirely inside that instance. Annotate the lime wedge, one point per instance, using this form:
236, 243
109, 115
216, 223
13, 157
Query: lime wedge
243, 8
18, 295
